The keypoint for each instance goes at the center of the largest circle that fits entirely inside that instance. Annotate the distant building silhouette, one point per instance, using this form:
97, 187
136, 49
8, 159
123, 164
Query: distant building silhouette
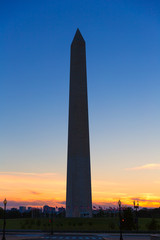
22, 209
48, 210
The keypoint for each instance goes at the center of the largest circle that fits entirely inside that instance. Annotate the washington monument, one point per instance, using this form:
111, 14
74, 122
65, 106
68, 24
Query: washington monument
79, 199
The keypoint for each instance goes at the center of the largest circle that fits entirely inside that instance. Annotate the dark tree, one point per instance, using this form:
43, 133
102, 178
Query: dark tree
1, 213
153, 225
127, 219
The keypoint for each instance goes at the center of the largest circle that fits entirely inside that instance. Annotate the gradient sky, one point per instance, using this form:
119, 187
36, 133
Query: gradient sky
123, 70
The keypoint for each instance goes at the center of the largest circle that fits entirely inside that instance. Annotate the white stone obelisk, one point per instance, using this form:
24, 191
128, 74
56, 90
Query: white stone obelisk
79, 197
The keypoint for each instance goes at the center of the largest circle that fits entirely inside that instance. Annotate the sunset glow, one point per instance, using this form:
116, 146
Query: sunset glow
123, 81
39, 189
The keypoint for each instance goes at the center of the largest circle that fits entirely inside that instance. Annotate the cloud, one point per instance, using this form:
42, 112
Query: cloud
32, 186
35, 193
153, 202
105, 183
157, 182
105, 204
28, 174
62, 202
150, 166
146, 200
35, 203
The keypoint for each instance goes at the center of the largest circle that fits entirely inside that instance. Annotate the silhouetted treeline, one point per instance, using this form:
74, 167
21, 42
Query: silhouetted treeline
14, 214
34, 213
142, 213
149, 213
130, 212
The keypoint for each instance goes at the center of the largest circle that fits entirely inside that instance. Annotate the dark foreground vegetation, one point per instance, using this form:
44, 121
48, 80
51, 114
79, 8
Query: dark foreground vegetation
144, 221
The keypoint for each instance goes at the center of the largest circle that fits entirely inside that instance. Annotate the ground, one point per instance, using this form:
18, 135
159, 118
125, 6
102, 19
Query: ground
78, 236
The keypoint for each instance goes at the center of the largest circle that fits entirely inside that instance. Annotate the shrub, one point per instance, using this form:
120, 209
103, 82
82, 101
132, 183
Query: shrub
153, 225
38, 222
112, 225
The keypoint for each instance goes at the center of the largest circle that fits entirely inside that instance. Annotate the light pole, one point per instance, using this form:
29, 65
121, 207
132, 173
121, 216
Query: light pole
136, 206
52, 222
120, 220
4, 220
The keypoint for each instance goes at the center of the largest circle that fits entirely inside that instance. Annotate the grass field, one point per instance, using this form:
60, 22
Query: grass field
64, 224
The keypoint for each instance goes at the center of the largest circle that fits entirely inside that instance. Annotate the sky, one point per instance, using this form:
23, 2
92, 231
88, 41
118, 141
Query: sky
123, 73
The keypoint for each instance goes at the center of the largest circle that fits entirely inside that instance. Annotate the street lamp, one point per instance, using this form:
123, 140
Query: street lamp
52, 222
136, 206
120, 220
4, 219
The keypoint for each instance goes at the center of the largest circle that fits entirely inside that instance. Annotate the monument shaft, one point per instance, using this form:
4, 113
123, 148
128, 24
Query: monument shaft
79, 200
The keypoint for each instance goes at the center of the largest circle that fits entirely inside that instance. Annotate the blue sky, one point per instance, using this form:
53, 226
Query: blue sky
123, 69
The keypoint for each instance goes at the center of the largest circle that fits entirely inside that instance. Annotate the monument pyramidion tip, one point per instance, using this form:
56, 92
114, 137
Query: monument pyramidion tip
78, 38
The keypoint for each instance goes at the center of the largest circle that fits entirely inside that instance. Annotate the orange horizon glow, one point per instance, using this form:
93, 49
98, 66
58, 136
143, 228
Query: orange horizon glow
39, 189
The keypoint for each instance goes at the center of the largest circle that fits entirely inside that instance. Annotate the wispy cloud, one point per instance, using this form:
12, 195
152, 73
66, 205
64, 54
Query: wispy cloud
150, 166
35, 203
31, 186
146, 200
157, 182
35, 193
105, 183
62, 202
28, 174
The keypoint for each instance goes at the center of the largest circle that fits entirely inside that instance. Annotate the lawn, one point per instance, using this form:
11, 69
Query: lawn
63, 224
72, 224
